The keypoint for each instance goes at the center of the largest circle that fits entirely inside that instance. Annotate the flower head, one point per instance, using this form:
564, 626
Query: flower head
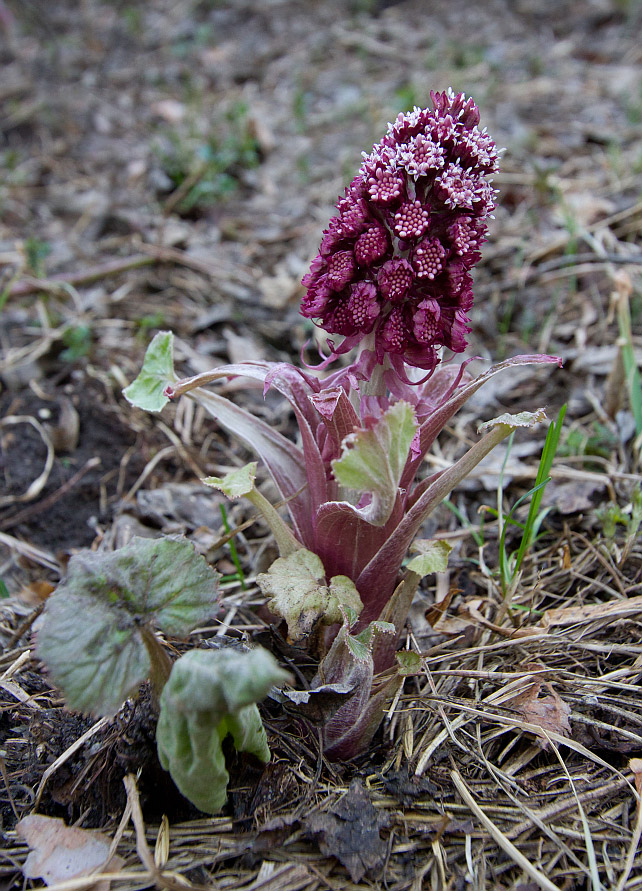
395, 261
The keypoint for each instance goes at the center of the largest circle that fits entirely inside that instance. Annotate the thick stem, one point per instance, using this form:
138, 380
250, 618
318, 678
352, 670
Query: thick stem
286, 542
161, 664
376, 385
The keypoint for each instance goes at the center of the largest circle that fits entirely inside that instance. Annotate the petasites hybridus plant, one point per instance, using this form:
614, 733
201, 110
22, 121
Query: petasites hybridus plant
99, 642
392, 278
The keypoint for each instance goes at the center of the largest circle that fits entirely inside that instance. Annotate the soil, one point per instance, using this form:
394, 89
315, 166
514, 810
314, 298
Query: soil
171, 166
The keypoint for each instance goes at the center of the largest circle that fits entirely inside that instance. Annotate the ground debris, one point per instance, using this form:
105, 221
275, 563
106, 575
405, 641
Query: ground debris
60, 852
349, 831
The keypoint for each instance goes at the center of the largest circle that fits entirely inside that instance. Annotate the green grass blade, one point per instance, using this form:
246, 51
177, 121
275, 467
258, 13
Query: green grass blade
543, 476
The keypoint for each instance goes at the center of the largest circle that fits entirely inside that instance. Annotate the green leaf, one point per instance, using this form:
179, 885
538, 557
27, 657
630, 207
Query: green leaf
521, 419
241, 482
301, 596
148, 390
408, 662
235, 483
94, 623
211, 694
433, 557
373, 461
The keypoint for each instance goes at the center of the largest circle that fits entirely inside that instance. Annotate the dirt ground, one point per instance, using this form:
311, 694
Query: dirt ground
171, 166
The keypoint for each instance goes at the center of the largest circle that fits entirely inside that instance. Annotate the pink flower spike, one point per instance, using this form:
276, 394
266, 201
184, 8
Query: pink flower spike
410, 226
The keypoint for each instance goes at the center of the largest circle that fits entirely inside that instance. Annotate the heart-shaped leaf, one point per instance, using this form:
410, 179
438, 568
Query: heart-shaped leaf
148, 390
92, 636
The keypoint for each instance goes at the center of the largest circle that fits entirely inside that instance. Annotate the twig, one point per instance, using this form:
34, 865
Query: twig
30, 284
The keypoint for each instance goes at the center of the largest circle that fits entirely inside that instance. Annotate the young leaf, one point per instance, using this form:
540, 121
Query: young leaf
301, 596
380, 573
373, 461
409, 662
148, 390
235, 483
433, 557
239, 483
350, 661
521, 419
211, 694
95, 623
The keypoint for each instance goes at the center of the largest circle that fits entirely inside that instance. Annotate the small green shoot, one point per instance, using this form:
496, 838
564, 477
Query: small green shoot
77, 341
631, 370
36, 252
613, 515
4, 591
510, 563
237, 576
535, 516
149, 322
477, 534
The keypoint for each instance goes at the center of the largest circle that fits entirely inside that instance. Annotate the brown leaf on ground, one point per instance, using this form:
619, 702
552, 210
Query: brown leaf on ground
350, 832
636, 766
548, 712
60, 852
572, 615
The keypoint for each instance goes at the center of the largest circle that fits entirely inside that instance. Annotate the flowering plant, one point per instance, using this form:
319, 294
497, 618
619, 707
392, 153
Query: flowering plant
393, 279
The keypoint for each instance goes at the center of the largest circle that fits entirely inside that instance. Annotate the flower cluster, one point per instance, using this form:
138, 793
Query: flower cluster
395, 261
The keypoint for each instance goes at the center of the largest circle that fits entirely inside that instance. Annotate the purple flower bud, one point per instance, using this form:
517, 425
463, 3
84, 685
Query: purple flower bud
396, 258
340, 269
386, 186
425, 322
395, 278
363, 305
428, 258
371, 246
411, 220
393, 334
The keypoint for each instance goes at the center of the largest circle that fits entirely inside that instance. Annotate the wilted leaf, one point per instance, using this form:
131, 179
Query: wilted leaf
148, 390
320, 704
635, 765
211, 694
592, 612
407, 788
91, 639
548, 712
350, 831
60, 852
301, 596
373, 461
